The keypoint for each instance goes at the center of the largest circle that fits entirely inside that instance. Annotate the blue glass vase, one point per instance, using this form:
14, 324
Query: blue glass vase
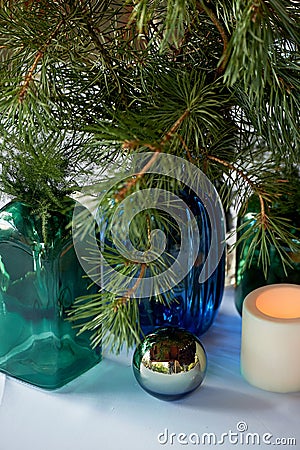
40, 277
194, 305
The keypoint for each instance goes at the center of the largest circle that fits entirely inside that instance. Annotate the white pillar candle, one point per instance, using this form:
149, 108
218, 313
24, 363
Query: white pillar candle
270, 350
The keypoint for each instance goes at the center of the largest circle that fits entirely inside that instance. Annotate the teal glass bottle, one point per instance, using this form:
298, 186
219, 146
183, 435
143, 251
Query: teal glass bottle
252, 277
40, 277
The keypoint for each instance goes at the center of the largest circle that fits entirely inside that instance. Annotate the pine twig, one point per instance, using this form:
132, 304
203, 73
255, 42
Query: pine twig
264, 217
38, 57
174, 128
188, 153
157, 149
29, 76
132, 290
201, 5
122, 193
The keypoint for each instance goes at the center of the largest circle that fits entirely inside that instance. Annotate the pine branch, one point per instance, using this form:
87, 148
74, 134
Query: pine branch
246, 178
123, 192
157, 149
224, 58
40, 54
130, 293
81, 90
266, 228
105, 56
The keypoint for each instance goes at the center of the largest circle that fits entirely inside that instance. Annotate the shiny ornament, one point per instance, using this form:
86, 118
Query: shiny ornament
169, 363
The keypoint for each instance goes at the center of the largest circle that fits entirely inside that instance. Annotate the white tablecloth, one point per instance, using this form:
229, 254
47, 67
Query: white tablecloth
105, 409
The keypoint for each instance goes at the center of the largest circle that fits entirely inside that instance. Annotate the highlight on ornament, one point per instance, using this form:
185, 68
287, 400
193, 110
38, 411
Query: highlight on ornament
170, 363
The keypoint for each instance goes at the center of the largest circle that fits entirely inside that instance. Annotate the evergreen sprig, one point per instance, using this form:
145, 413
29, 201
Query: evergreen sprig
86, 84
41, 169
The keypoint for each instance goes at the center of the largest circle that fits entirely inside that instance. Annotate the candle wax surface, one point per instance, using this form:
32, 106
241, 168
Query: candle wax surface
280, 302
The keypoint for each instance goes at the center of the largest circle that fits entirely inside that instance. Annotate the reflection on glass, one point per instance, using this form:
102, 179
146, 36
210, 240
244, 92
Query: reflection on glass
194, 304
39, 281
251, 278
169, 363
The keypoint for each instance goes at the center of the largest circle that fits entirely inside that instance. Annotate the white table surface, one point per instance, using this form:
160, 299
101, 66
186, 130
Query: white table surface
106, 409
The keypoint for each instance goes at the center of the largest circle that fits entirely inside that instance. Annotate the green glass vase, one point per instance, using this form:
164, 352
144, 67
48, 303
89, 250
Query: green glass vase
40, 277
252, 277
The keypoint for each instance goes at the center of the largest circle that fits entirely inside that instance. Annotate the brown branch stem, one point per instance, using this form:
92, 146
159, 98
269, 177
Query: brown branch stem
224, 58
122, 301
131, 291
29, 76
174, 128
133, 181
264, 218
188, 153
38, 57
157, 149
106, 58
121, 194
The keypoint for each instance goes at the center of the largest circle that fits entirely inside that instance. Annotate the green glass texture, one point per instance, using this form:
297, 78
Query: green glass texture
40, 277
250, 278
